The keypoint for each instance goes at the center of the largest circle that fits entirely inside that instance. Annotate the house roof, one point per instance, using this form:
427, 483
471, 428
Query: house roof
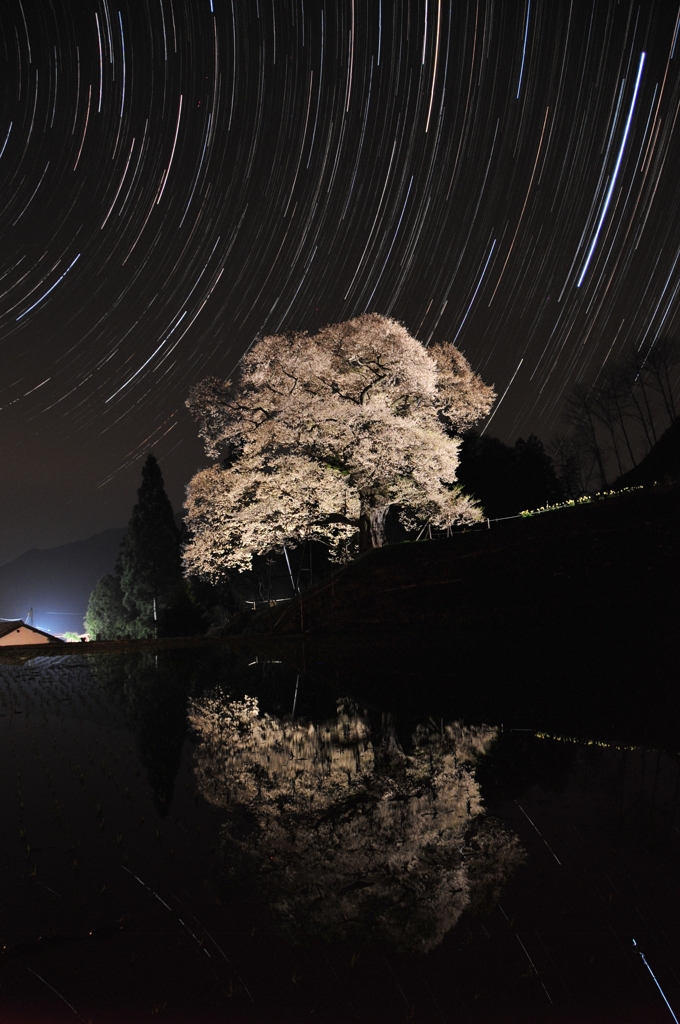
9, 625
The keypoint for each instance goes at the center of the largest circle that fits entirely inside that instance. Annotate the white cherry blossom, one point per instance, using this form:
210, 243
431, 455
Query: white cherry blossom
321, 435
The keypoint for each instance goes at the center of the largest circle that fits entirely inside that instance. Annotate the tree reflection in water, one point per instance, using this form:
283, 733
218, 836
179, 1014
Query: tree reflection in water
348, 836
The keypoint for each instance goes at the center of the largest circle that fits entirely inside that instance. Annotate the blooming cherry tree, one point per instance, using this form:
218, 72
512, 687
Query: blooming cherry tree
321, 435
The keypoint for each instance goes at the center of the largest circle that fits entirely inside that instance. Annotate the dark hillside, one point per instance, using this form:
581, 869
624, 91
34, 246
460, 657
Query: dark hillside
618, 550
56, 582
573, 612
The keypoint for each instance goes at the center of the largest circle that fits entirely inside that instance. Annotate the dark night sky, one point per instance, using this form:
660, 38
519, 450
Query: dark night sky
179, 176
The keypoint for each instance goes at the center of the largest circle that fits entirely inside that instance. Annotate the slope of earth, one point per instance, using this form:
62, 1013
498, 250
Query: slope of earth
621, 550
566, 617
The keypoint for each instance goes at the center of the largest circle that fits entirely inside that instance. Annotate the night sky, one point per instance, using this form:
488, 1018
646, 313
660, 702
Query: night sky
180, 176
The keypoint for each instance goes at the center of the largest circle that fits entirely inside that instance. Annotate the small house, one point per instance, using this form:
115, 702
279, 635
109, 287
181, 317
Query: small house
16, 631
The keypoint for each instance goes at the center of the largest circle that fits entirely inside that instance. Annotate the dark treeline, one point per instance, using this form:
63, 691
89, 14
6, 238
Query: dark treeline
507, 480
614, 421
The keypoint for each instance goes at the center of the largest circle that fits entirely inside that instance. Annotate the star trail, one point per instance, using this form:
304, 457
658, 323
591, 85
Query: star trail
179, 178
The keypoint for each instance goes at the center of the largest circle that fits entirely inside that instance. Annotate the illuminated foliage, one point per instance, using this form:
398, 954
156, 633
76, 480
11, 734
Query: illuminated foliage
321, 435
107, 617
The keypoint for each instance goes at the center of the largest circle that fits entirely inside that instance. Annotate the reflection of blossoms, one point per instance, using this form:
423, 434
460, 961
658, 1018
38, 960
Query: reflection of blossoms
351, 837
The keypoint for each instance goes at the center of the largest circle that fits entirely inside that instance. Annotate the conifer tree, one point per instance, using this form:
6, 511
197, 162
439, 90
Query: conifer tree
107, 617
149, 564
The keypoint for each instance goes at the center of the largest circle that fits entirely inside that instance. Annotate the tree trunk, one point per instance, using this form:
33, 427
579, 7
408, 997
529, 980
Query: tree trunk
372, 528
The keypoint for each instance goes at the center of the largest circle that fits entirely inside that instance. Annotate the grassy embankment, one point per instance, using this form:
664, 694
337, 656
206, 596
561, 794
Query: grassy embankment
585, 560
566, 621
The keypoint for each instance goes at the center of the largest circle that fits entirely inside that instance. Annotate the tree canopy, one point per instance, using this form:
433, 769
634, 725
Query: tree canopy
321, 435
106, 616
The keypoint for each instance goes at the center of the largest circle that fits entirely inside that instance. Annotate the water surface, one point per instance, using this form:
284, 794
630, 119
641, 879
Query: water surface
211, 835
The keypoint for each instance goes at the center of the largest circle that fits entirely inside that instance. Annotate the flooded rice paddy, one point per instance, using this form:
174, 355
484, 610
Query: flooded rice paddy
207, 835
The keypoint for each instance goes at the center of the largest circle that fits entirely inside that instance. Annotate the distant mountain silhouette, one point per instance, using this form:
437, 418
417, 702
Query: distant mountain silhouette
661, 464
56, 582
